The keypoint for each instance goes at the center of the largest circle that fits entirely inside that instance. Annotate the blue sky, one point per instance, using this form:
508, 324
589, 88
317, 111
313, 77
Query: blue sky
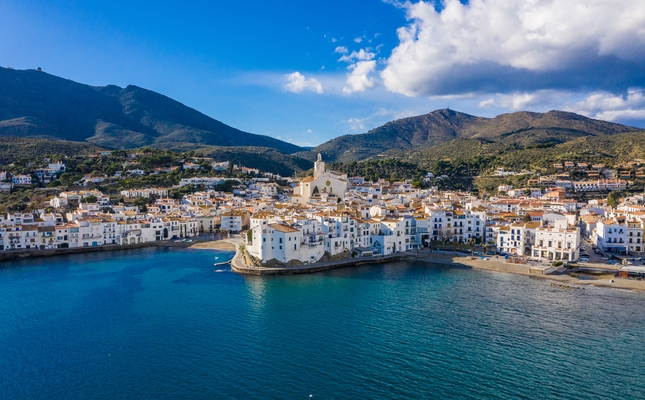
306, 72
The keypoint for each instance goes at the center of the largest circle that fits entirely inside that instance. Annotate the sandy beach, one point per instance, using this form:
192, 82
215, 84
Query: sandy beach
216, 245
559, 278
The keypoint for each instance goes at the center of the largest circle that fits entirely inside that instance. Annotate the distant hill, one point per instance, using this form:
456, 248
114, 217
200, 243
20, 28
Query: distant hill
262, 158
37, 104
422, 133
13, 149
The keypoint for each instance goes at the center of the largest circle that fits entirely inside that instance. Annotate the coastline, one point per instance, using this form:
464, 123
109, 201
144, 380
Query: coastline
238, 264
37, 253
561, 279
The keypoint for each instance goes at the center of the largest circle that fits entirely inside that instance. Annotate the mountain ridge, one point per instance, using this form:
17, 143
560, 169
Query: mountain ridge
36, 104
442, 126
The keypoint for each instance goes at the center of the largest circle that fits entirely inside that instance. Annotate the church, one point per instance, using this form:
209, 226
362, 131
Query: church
330, 182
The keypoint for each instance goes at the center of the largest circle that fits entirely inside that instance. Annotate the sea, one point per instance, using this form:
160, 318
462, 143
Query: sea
168, 324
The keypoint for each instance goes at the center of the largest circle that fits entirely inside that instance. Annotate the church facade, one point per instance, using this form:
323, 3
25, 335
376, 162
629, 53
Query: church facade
322, 183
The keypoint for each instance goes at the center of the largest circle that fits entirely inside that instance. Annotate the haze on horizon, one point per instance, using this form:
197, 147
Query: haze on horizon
308, 72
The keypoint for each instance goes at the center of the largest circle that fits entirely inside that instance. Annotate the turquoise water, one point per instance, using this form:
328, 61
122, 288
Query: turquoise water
159, 323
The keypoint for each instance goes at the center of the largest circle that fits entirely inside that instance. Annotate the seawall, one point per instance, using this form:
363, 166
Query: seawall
238, 265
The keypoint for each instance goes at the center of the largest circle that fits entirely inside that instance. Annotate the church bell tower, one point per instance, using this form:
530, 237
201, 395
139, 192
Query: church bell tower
319, 167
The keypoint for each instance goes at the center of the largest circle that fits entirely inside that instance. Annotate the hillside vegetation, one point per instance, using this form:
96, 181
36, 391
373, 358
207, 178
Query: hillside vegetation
13, 149
36, 104
608, 150
452, 129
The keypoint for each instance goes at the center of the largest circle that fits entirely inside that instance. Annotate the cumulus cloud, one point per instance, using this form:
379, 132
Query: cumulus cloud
297, 83
341, 50
612, 107
359, 80
497, 46
627, 107
362, 63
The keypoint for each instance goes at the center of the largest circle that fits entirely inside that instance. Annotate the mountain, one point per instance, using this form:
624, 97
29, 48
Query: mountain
13, 148
406, 135
36, 104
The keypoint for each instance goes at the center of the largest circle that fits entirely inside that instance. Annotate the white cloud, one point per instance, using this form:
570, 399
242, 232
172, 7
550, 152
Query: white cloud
297, 83
518, 101
358, 39
362, 64
341, 50
361, 55
356, 124
517, 44
626, 107
359, 80
611, 107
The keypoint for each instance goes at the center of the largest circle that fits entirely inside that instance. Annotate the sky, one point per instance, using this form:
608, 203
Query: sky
309, 71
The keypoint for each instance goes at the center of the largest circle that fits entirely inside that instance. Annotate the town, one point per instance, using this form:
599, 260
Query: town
324, 217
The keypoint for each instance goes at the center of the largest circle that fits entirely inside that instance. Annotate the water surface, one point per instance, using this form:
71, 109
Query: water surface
161, 323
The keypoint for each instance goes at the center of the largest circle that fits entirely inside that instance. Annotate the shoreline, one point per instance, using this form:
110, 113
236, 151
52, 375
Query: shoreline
238, 263
563, 279
560, 278
21, 254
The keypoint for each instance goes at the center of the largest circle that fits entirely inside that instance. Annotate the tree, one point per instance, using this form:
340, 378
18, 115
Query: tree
89, 199
471, 244
613, 200
141, 202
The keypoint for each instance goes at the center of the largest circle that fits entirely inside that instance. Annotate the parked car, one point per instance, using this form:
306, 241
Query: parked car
583, 259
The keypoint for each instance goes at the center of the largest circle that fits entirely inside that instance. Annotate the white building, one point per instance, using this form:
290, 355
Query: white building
556, 243
610, 235
322, 182
21, 180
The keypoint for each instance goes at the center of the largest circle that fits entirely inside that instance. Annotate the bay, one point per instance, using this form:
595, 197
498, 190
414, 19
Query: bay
166, 323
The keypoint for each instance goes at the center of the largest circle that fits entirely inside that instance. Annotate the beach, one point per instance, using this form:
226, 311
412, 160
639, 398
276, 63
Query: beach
214, 245
560, 277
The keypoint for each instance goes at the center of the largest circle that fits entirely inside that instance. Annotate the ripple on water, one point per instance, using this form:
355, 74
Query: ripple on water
155, 323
